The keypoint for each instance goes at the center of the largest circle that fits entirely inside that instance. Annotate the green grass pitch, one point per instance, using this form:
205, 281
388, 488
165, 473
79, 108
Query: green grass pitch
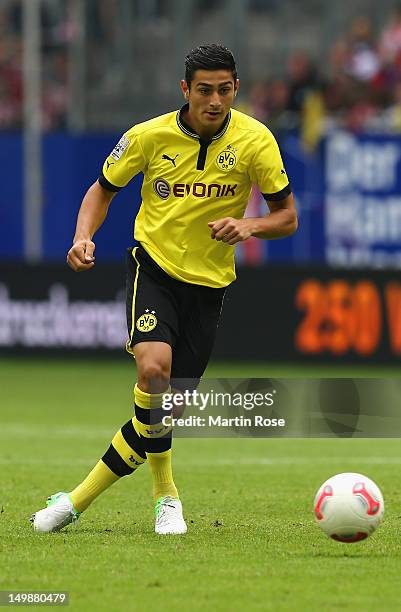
251, 544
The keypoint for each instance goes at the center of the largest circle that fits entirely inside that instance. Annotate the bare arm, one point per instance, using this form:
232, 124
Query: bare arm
281, 222
91, 215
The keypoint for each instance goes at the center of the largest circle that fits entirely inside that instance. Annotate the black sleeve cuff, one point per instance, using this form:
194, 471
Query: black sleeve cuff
279, 195
105, 183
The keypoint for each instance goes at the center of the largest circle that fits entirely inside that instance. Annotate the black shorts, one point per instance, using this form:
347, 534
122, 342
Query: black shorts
163, 309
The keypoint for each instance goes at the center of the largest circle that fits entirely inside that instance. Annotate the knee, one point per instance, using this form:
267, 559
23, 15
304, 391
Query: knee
154, 376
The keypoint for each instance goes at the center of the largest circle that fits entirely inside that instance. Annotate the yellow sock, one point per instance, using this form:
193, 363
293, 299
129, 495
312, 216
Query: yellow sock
163, 483
156, 439
124, 455
97, 481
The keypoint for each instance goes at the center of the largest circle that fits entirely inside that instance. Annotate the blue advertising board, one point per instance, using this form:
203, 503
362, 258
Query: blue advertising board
362, 200
348, 195
71, 163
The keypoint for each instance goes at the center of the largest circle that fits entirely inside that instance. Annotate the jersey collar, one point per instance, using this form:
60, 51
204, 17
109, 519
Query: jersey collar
184, 127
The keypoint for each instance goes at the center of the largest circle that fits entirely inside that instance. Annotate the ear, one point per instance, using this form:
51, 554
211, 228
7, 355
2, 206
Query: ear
236, 87
184, 89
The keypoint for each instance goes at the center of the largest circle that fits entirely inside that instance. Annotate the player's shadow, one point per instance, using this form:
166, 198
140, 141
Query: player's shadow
95, 530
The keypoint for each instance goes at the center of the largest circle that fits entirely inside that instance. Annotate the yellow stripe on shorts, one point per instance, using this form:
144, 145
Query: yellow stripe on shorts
128, 346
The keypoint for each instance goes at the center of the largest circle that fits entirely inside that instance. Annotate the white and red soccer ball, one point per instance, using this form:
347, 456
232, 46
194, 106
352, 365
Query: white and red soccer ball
349, 507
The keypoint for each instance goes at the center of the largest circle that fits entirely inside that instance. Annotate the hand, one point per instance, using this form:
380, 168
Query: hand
80, 256
230, 230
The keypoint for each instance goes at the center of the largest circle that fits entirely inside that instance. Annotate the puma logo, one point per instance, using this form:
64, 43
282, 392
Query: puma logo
164, 156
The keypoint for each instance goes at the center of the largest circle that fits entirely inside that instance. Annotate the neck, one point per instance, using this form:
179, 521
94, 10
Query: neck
205, 133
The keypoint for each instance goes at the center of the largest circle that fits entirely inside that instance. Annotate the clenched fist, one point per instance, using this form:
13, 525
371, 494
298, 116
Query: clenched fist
230, 230
80, 256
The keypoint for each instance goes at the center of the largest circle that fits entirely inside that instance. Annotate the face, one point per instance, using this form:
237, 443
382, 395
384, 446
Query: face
210, 98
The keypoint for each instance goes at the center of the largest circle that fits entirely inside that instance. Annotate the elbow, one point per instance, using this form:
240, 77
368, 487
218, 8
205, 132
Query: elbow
292, 225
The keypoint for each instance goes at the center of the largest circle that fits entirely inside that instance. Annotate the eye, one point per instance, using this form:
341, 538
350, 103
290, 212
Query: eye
225, 91
204, 92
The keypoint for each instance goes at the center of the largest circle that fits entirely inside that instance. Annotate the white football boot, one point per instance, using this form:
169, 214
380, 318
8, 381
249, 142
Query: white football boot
169, 519
59, 513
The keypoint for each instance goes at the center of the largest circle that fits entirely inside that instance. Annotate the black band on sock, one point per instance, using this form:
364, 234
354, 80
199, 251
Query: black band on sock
132, 439
116, 464
158, 445
150, 416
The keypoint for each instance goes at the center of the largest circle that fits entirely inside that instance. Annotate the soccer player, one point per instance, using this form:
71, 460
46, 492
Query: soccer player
199, 164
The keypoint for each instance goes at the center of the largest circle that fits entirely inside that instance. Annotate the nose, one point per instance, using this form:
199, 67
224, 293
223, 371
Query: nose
215, 99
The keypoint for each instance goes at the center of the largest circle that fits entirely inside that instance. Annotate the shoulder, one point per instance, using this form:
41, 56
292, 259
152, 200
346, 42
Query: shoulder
151, 125
244, 122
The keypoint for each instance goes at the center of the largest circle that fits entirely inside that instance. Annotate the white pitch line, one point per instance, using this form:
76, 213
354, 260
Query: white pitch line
46, 461
54, 431
307, 460
90, 431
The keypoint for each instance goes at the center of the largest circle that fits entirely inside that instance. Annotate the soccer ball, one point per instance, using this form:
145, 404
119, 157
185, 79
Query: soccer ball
349, 507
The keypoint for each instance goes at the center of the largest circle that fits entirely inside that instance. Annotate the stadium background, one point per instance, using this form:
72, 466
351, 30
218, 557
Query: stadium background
330, 91
326, 78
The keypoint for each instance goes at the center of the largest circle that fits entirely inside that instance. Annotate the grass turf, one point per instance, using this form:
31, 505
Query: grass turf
252, 541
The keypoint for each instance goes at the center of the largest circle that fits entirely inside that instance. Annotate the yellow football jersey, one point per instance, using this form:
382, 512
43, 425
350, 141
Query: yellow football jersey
188, 182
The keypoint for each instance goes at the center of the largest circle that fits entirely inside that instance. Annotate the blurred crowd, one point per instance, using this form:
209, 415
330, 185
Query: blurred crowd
58, 33
55, 38
356, 85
